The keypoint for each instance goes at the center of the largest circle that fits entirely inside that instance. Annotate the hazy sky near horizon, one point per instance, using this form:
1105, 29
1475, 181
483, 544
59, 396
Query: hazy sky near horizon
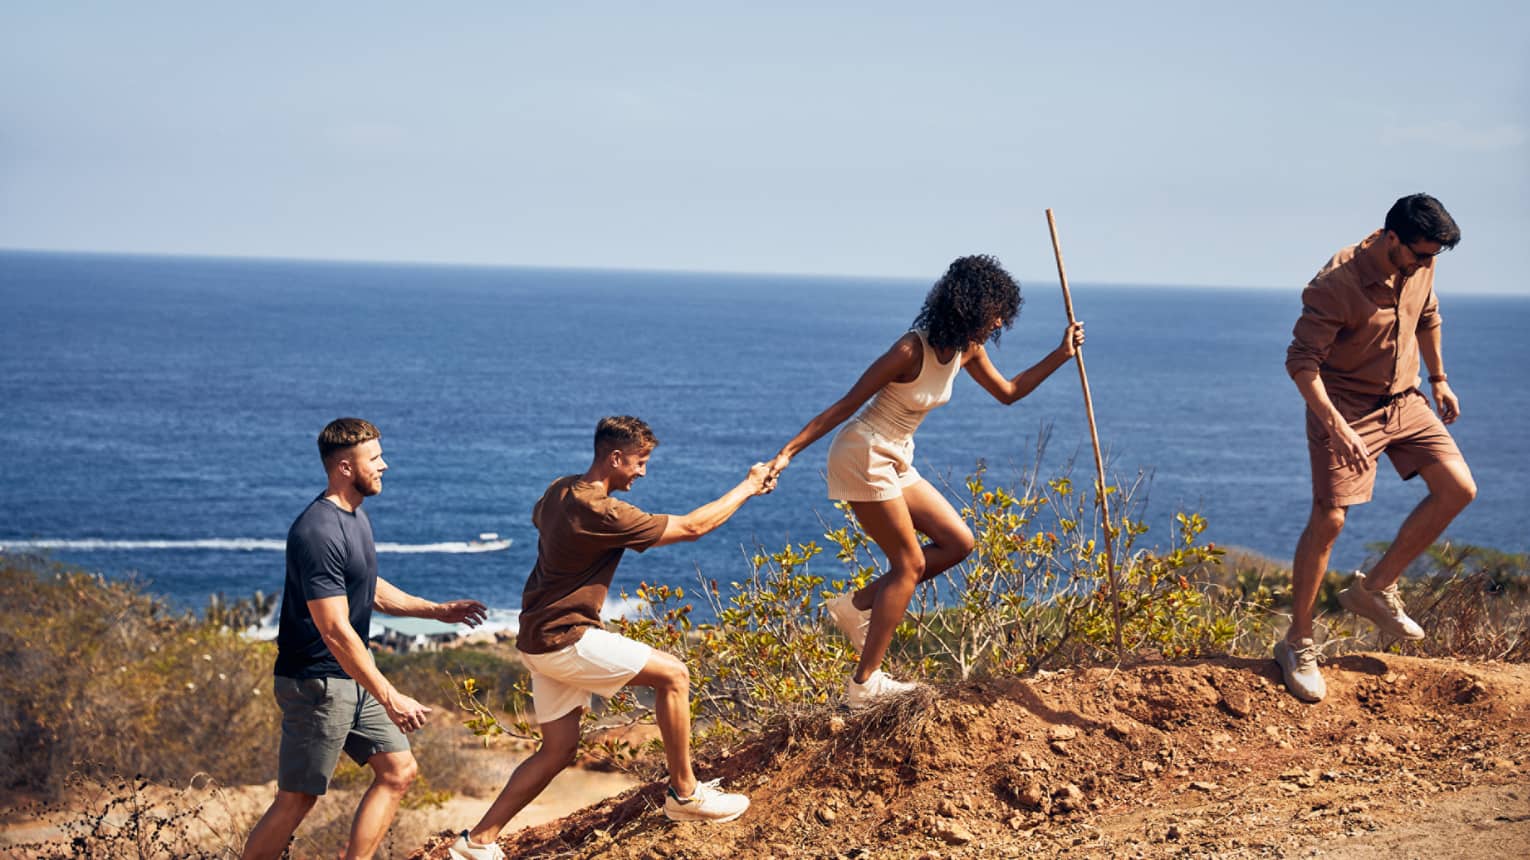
1193, 143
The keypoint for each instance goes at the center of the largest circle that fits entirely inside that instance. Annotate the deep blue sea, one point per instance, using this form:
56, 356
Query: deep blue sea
158, 415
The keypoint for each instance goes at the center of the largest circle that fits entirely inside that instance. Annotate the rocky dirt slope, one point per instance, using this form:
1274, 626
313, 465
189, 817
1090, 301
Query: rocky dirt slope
1406, 758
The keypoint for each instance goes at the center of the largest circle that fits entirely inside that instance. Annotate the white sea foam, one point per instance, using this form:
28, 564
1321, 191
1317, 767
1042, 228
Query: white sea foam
239, 545
617, 607
450, 547
507, 620
268, 627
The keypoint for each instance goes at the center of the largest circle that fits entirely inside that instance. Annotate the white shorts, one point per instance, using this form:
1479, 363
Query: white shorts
600, 662
867, 466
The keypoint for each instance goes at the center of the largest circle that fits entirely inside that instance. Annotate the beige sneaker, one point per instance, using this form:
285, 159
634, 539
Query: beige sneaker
707, 803
852, 622
1299, 667
1384, 608
877, 687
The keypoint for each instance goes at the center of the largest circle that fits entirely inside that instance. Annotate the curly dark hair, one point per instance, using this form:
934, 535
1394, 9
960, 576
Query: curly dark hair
966, 300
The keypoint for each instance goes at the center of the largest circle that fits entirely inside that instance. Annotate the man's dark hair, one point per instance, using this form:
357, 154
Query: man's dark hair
1419, 216
625, 433
972, 293
343, 434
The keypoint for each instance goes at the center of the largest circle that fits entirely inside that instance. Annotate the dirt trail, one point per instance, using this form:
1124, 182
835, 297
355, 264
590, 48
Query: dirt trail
1406, 758
220, 817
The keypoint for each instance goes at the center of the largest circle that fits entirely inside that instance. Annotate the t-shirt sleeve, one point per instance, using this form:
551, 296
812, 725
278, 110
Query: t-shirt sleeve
320, 557
630, 527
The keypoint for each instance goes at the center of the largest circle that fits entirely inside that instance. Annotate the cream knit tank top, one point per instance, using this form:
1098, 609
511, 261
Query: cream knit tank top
897, 409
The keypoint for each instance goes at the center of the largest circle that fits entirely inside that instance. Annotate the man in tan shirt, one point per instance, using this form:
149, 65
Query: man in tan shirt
582, 534
1354, 356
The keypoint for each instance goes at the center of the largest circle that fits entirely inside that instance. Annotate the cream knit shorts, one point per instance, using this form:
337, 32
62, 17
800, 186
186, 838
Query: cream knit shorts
866, 466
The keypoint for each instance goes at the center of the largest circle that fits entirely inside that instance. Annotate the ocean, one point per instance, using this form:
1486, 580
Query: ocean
159, 413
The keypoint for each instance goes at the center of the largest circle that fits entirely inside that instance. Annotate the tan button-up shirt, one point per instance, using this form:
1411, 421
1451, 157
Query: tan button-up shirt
1359, 326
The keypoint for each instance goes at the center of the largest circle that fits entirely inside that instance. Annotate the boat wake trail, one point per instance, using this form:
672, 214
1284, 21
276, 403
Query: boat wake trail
238, 545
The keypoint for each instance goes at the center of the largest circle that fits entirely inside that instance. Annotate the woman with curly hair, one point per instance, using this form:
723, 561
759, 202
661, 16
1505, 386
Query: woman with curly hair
871, 457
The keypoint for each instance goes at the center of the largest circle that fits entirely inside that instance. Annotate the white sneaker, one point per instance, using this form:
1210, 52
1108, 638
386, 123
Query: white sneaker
878, 686
463, 849
852, 622
1384, 608
707, 803
1299, 666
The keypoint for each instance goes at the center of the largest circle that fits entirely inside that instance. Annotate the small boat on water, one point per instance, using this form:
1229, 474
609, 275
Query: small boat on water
489, 542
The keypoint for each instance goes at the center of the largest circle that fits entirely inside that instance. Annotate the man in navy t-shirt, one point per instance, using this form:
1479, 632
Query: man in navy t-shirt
332, 696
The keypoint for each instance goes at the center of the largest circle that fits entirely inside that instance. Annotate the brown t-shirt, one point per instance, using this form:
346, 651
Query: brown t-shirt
582, 534
1359, 327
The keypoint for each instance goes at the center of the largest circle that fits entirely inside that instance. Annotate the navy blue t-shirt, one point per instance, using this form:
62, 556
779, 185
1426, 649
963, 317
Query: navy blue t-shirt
329, 553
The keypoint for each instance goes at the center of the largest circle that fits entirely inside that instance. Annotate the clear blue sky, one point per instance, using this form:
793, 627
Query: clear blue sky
1209, 143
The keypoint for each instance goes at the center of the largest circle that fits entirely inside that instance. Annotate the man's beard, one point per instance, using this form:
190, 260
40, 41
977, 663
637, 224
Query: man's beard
367, 488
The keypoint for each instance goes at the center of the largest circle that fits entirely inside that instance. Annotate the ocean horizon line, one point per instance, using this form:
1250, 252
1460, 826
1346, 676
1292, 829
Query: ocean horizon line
849, 279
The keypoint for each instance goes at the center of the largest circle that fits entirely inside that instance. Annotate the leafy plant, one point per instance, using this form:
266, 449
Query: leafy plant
1031, 595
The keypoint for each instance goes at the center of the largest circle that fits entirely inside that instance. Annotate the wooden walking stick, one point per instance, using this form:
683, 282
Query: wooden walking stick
1099, 461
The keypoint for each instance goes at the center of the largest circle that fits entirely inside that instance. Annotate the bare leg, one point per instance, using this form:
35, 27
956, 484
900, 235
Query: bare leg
392, 774
950, 539
890, 525
1451, 489
671, 683
1307, 569
274, 830
560, 742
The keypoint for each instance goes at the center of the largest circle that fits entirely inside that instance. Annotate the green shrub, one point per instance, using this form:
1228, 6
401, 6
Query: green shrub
102, 679
427, 675
1032, 595
1474, 603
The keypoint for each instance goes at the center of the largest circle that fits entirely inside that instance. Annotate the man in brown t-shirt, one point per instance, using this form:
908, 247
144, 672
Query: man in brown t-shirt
1354, 356
583, 532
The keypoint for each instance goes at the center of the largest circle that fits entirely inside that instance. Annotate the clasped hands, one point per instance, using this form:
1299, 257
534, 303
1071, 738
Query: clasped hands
765, 474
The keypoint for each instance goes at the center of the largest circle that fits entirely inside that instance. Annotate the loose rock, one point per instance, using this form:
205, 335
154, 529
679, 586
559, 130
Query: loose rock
1069, 798
1236, 702
953, 833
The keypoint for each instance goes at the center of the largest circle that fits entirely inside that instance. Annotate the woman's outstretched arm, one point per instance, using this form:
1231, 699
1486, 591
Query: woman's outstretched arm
1006, 390
902, 361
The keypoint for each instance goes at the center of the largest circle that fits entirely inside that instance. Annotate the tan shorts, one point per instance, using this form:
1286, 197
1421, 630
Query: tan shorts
599, 663
1407, 430
866, 466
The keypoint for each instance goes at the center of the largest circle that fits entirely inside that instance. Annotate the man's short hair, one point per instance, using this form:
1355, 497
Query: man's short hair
624, 433
343, 434
1421, 217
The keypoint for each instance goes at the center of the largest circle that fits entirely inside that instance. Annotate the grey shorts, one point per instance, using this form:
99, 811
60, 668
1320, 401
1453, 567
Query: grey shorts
321, 717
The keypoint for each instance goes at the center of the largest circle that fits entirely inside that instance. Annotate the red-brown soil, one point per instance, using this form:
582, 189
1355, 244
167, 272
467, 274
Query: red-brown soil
1405, 758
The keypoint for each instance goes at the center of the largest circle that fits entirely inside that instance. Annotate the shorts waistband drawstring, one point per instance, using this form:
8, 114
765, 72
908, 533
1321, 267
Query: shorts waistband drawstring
1392, 403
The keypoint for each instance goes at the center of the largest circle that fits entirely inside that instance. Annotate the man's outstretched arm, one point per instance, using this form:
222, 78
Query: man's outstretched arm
709, 516
392, 600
